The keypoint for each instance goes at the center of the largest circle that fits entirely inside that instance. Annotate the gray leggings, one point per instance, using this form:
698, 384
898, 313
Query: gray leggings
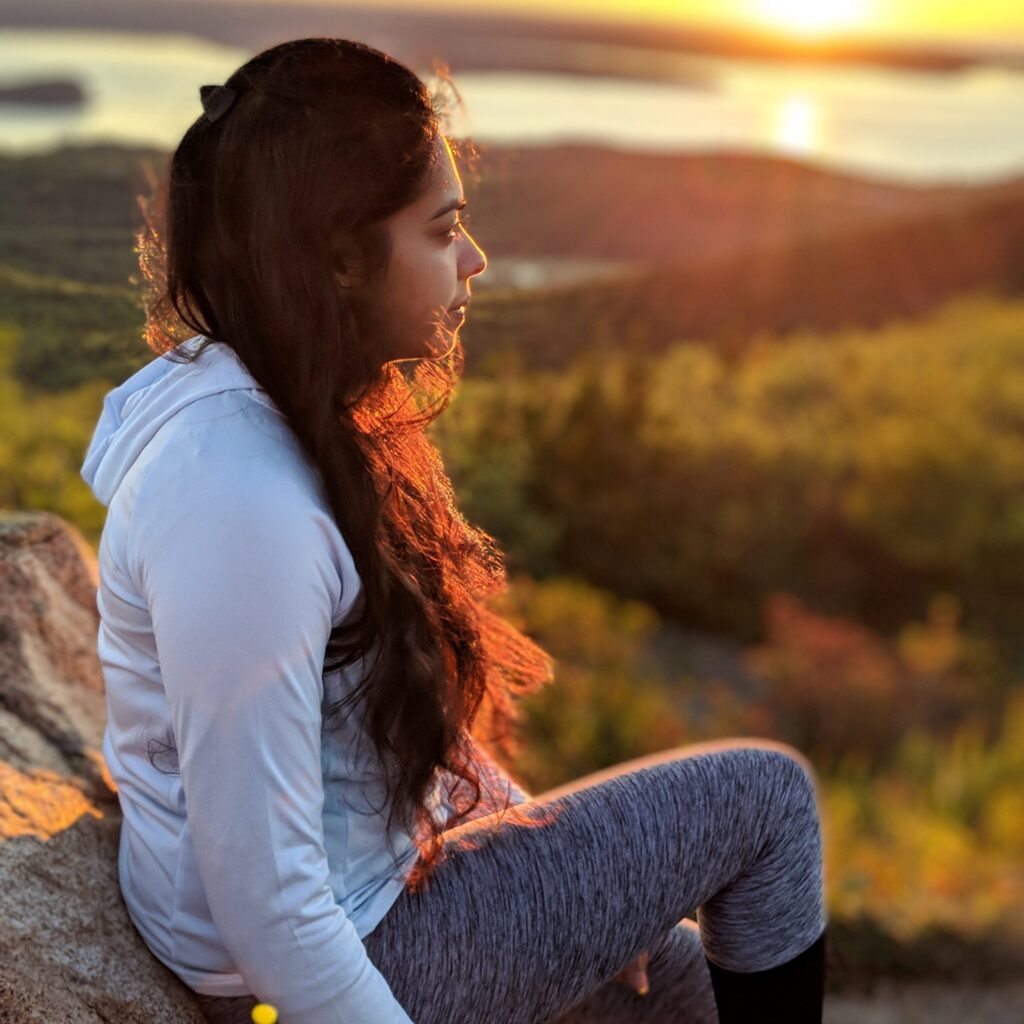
529, 923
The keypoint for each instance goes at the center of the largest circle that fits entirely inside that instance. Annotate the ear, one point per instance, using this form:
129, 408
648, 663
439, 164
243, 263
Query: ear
346, 258
347, 274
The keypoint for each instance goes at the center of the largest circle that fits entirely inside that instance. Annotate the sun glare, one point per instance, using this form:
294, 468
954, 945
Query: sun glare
796, 126
813, 17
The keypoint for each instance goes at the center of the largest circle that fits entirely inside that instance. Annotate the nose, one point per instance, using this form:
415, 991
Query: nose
476, 260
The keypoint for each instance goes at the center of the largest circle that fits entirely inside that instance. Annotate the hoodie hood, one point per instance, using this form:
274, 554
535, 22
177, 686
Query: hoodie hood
134, 411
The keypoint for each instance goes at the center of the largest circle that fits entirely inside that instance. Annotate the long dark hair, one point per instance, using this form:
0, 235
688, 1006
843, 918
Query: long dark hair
241, 241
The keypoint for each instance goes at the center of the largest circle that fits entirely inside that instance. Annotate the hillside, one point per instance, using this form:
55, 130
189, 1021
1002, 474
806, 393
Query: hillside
718, 246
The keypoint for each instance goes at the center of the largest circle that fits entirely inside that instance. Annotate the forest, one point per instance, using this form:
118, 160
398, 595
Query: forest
807, 530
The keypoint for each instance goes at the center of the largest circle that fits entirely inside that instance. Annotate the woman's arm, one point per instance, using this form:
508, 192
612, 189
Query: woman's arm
496, 776
239, 577
496, 785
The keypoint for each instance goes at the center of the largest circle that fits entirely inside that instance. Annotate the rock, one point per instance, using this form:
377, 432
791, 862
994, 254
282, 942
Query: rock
69, 953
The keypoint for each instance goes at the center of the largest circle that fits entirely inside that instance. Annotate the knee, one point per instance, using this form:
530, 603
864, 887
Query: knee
803, 792
794, 755
765, 759
782, 758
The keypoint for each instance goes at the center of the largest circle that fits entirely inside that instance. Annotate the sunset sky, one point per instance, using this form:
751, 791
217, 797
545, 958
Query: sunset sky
988, 21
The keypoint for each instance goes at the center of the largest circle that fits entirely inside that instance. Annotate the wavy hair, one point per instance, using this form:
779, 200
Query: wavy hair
241, 240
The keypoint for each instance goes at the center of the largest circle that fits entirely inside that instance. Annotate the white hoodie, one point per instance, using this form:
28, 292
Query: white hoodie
260, 865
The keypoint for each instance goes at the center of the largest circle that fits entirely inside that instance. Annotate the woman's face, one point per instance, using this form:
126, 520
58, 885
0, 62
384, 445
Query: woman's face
432, 260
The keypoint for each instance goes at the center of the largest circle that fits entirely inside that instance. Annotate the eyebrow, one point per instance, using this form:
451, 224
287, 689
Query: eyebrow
455, 204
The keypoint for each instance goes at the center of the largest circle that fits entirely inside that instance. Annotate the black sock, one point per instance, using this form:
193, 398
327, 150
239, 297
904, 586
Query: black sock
790, 993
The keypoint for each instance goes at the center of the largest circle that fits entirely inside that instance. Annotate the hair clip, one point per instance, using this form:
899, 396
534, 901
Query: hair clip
217, 99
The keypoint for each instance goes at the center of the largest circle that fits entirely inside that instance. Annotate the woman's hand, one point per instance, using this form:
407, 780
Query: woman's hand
634, 974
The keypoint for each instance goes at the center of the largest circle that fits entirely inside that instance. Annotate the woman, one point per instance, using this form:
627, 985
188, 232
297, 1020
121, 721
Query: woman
296, 642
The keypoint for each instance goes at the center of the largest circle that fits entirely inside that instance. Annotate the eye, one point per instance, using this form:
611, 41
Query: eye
456, 226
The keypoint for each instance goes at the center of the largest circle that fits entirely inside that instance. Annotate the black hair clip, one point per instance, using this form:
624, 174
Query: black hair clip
217, 99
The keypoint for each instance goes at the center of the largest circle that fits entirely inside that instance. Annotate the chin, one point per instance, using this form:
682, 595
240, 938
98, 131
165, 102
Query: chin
429, 348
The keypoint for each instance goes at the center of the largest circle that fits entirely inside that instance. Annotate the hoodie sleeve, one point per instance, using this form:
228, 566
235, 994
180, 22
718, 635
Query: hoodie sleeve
497, 786
496, 777
241, 575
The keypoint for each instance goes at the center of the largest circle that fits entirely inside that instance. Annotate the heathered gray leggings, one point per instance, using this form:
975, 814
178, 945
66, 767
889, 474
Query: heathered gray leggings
526, 924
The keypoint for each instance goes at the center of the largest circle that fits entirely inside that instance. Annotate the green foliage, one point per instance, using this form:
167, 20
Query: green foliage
924, 844
68, 276
937, 840
71, 212
605, 705
486, 442
834, 688
42, 444
70, 333
864, 471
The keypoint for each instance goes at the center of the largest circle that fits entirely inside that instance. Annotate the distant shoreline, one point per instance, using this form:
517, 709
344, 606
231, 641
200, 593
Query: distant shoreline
487, 41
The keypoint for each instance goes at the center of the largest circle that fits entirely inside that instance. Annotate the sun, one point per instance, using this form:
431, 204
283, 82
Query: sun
813, 17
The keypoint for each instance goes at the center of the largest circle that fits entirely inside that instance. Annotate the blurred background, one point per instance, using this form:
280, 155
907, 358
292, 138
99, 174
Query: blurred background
743, 397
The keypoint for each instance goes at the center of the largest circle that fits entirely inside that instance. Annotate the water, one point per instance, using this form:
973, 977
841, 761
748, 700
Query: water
919, 127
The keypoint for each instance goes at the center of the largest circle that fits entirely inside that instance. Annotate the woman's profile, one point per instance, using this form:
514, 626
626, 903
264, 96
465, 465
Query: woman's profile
296, 644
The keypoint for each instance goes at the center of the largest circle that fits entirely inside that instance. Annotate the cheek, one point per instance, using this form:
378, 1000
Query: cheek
421, 281
432, 279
